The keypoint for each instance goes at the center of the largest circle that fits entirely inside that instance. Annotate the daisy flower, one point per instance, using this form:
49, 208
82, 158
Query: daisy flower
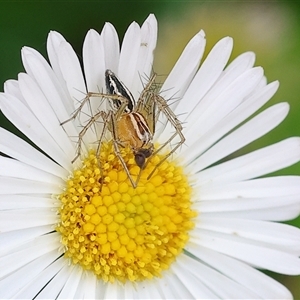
198, 227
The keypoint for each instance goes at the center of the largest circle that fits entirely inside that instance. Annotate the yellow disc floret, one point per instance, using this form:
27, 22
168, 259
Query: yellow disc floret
120, 232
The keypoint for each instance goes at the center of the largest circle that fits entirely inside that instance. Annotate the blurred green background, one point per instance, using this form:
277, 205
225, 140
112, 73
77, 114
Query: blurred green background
269, 28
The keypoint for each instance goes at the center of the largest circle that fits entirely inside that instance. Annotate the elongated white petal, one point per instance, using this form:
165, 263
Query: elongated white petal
44, 113
26, 218
32, 290
197, 289
244, 135
222, 286
94, 62
180, 289
146, 52
71, 283
104, 291
279, 236
212, 110
54, 286
129, 56
11, 285
263, 187
28, 252
254, 164
53, 41
256, 254
278, 214
257, 282
12, 87
32, 128
111, 45
14, 238
246, 204
207, 75
235, 117
179, 80
16, 169
185, 68
71, 71
240, 64
17, 148
12, 186
8, 202
56, 93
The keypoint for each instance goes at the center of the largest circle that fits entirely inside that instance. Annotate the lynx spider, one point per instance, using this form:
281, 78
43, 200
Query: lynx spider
131, 124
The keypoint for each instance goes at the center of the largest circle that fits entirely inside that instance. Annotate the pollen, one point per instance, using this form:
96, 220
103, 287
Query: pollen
119, 232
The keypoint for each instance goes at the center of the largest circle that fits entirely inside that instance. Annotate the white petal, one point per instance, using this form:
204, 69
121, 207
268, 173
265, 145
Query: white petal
27, 253
13, 168
42, 110
207, 75
210, 111
264, 286
111, 45
278, 214
180, 289
240, 204
54, 286
274, 235
11, 186
55, 91
270, 187
166, 289
42, 280
11, 285
13, 239
240, 64
12, 87
90, 285
26, 218
17, 148
110, 291
256, 254
244, 135
94, 62
197, 289
32, 128
69, 289
222, 286
254, 164
129, 56
57, 95
71, 71
53, 41
145, 57
179, 79
235, 117
94, 69
185, 68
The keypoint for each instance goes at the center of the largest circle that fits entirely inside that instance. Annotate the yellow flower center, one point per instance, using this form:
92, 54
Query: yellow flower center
120, 232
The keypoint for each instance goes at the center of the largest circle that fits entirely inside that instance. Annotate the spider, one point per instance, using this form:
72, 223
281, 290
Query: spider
131, 123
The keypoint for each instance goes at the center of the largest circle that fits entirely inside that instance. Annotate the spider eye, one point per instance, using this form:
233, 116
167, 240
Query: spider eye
140, 159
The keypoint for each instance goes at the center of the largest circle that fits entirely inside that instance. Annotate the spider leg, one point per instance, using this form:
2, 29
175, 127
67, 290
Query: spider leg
116, 144
172, 118
82, 133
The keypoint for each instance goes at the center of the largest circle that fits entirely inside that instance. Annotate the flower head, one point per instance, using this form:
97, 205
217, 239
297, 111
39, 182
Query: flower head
84, 217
